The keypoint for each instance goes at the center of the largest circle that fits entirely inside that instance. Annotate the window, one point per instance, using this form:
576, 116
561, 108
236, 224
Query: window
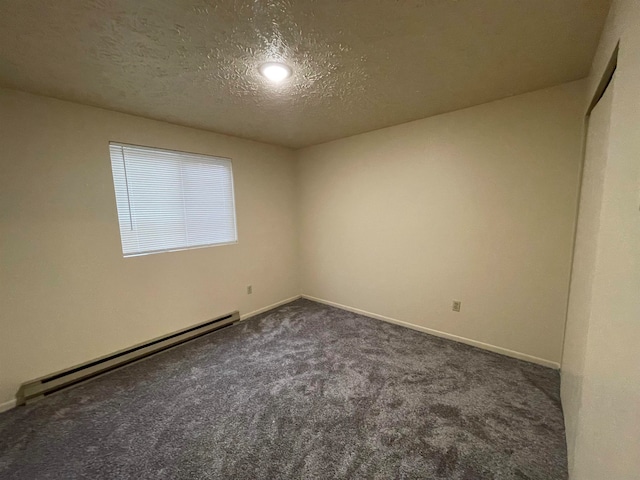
171, 200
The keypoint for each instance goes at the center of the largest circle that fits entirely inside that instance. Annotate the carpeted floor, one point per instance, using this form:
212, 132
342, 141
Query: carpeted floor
305, 391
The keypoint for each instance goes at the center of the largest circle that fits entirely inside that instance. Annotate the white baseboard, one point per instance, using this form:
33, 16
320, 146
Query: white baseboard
486, 346
244, 316
12, 403
437, 333
7, 405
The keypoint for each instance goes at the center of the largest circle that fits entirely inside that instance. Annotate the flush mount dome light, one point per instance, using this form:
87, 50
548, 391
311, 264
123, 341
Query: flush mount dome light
275, 71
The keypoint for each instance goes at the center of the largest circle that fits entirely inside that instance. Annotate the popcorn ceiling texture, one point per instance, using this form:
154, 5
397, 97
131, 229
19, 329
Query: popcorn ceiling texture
358, 65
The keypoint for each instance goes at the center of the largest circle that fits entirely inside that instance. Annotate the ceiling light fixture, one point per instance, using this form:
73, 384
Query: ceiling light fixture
275, 71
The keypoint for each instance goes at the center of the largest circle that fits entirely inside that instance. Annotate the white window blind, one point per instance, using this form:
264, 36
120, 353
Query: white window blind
171, 200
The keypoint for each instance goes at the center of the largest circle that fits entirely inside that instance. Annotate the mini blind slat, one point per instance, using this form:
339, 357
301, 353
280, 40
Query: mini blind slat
171, 200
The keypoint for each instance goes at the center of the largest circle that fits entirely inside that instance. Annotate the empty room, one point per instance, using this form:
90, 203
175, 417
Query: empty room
304, 239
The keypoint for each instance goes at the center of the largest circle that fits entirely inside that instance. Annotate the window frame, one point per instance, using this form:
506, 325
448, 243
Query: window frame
174, 151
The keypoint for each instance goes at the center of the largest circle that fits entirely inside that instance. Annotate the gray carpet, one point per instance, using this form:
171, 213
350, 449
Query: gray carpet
304, 391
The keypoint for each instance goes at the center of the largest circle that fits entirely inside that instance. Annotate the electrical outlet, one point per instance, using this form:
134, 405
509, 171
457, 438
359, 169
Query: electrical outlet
455, 306
249, 289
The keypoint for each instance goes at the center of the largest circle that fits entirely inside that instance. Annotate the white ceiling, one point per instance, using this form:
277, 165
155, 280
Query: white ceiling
358, 65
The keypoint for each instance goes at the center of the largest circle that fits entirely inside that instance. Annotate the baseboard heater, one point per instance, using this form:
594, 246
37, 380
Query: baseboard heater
43, 386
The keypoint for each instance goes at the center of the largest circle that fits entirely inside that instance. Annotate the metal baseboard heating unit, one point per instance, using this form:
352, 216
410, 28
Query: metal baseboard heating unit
40, 387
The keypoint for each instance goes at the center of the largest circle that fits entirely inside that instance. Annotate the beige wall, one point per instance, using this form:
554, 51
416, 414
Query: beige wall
601, 365
585, 253
66, 292
476, 205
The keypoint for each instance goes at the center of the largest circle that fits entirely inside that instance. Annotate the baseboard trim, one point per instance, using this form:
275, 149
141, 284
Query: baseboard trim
12, 403
438, 333
245, 316
7, 405
485, 346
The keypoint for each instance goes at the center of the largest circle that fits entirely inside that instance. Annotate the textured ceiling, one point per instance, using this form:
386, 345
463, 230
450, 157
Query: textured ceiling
358, 65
